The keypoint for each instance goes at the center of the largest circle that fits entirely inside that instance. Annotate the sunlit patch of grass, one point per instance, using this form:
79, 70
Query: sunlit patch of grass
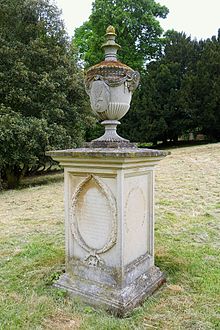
187, 249
165, 202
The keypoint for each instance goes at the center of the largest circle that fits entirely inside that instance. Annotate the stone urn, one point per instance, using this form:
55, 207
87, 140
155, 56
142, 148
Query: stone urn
110, 85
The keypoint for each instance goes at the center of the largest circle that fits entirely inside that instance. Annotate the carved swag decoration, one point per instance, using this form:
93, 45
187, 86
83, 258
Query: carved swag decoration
93, 257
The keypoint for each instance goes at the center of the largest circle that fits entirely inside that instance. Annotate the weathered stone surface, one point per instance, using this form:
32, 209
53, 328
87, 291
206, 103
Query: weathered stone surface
109, 225
115, 299
109, 144
121, 152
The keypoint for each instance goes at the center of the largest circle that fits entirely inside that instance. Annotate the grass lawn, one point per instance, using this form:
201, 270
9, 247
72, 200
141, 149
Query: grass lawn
187, 236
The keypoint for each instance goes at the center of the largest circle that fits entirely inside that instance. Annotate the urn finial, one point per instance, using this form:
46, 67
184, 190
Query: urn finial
110, 46
110, 30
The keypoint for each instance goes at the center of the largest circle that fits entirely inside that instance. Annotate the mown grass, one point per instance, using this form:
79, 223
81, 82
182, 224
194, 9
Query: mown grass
187, 239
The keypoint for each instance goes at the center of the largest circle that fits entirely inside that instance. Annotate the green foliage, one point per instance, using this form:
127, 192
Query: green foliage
179, 92
172, 117
137, 26
157, 110
42, 98
202, 88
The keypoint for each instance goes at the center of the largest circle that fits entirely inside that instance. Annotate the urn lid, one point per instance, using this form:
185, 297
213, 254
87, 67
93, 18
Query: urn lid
111, 71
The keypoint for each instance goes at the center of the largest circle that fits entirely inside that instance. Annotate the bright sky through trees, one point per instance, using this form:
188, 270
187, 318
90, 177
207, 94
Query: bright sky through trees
197, 18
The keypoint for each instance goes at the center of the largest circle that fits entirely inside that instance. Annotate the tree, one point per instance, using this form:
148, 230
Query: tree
203, 88
179, 92
178, 61
137, 26
160, 113
42, 99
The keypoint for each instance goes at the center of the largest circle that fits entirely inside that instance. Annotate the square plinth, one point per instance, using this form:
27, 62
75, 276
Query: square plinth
109, 225
115, 299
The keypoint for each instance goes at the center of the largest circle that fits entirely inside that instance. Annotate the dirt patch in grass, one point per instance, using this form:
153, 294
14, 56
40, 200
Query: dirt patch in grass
61, 321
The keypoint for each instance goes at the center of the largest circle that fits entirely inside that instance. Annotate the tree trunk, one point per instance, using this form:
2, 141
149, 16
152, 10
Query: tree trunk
12, 177
1, 187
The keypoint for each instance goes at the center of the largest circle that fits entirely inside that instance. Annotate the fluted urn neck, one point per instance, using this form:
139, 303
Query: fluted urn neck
110, 47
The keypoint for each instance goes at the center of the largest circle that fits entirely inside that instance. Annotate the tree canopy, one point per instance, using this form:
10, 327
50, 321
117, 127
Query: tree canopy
137, 25
42, 98
161, 105
202, 88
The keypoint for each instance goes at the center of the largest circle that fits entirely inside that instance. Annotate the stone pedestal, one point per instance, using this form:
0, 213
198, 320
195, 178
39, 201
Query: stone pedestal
109, 225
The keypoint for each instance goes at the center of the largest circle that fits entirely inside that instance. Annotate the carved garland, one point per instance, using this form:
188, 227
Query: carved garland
132, 79
74, 221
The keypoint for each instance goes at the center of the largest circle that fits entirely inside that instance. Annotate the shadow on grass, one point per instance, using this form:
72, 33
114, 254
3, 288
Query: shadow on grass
174, 145
40, 180
172, 266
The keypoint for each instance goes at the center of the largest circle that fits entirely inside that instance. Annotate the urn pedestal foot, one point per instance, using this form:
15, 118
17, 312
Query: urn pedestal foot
110, 139
110, 132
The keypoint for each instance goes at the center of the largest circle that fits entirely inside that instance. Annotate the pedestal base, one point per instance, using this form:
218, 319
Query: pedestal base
109, 225
119, 301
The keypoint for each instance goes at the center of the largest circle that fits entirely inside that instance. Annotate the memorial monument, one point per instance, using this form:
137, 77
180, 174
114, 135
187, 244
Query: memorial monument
109, 200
